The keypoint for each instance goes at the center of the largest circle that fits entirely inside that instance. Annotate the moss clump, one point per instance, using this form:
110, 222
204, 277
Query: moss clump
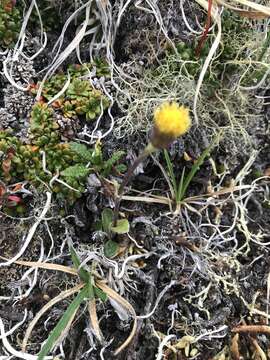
70, 162
10, 23
80, 99
43, 126
22, 162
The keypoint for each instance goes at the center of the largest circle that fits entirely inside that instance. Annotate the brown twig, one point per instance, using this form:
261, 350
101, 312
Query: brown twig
206, 29
258, 350
235, 348
253, 329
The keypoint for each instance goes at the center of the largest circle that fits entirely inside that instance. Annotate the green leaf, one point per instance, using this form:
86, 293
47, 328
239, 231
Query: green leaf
62, 323
122, 227
97, 157
82, 151
107, 219
170, 171
180, 187
84, 275
107, 166
196, 167
90, 290
98, 226
100, 294
90, 115
122, 168
75, 172
110, 248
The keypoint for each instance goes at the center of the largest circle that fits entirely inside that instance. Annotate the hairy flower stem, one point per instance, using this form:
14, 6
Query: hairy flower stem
147, 151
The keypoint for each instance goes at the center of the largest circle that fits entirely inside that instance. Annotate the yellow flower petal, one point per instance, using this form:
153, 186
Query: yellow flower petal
172, 120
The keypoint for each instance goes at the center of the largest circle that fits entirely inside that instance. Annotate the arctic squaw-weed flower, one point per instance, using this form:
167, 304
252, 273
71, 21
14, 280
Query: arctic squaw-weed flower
170, 122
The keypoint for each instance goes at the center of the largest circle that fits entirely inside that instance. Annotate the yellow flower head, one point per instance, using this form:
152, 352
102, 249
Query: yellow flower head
170, 122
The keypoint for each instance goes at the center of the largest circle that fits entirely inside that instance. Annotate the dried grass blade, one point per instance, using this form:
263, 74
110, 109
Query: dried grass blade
47, 266
63, 295
92, 309
216, 16
156, 200
112, 294
251, 4
245, 13
235, 347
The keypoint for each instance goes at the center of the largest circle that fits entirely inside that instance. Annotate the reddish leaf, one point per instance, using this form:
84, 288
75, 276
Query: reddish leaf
15, 199
57, 103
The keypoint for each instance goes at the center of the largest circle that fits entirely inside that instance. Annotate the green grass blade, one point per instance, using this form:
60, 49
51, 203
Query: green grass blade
84, 275
170, 171
180, 187
62, 323
196, 167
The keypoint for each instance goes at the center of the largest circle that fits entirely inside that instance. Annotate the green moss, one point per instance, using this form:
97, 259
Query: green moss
80, 99
72, 162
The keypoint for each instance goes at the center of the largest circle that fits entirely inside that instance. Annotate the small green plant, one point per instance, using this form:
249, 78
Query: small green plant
22, 161
43, 128
98, 66
46, 157
90, 290
96, 159
180, 186
10, 23
80, 98
170, 121
105, 167
121, 227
